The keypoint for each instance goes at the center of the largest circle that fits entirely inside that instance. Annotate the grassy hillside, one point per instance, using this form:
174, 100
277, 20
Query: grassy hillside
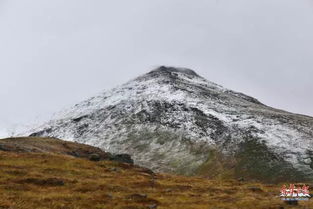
254, 161
45, 180
57, 146
50, 145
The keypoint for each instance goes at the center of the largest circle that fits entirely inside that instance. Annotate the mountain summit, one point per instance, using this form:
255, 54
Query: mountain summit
173, 120
164, 69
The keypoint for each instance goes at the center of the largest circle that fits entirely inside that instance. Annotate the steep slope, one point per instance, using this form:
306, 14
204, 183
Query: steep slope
173, 120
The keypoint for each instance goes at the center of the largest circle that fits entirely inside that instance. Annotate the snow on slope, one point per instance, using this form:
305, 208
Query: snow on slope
170, 118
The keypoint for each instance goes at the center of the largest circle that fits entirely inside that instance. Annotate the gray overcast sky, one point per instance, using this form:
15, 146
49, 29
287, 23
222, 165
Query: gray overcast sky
55, 53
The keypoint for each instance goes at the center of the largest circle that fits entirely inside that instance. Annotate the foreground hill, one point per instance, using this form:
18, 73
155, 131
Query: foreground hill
173, 120
58, 146
41, 180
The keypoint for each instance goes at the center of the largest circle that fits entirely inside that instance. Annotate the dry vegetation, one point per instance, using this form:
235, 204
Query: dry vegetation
43, 180
50, 145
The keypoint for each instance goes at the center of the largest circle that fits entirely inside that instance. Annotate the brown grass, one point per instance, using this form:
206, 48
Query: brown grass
50, 145
41, 181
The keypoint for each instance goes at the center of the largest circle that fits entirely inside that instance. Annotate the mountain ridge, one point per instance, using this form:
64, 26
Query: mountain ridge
172, 120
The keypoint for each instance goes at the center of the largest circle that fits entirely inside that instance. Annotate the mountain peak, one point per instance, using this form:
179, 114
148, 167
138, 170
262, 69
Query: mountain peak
173, 120
169, 69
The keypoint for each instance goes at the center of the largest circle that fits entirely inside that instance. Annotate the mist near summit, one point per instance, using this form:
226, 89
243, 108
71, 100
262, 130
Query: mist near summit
57, 53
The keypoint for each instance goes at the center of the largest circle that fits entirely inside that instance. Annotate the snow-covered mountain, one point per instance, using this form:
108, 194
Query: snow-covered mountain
173, 120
